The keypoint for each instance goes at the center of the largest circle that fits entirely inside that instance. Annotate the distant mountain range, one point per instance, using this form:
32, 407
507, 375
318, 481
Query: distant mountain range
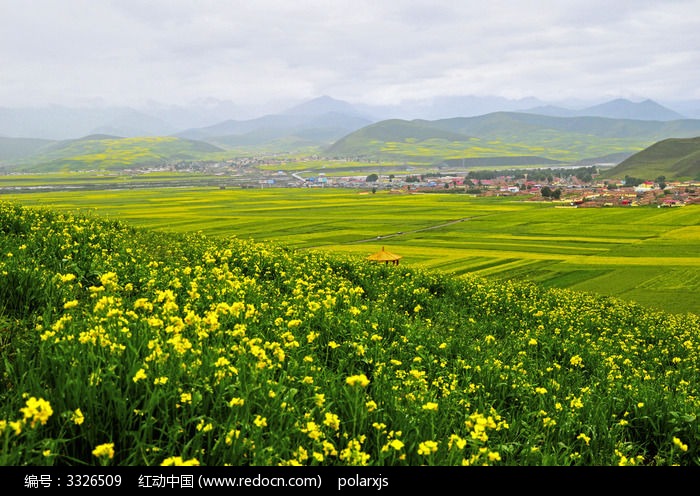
543, 135
317, 120
647, 110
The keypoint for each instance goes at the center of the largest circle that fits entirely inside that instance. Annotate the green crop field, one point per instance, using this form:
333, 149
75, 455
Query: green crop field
647, 255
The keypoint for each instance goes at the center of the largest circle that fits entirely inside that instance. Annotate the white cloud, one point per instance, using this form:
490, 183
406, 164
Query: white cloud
129, 51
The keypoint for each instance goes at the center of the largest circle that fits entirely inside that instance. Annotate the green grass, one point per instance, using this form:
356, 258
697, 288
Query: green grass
618, 252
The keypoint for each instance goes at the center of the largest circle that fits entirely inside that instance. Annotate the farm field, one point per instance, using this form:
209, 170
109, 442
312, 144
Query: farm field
646, 255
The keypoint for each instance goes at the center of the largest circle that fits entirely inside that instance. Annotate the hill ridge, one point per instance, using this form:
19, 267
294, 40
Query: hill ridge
671, 157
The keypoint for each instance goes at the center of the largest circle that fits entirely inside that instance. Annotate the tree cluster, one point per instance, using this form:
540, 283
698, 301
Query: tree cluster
548, 192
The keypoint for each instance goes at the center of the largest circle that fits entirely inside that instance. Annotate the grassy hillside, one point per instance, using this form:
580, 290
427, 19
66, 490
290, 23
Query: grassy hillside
503, 124
370, 140
672, 158
104, 152
510, 136
129, 347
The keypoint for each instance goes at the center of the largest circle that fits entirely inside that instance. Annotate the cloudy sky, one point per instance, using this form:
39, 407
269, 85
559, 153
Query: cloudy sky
129, 52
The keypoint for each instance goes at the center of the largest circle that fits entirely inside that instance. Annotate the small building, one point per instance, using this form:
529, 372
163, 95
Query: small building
385, 256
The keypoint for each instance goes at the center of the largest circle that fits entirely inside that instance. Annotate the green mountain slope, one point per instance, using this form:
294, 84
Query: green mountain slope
674, 158
105, 152
371, 139
500, 124
510, 134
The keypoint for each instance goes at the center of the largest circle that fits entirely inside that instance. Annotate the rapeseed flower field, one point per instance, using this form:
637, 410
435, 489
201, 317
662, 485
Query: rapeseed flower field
123, 346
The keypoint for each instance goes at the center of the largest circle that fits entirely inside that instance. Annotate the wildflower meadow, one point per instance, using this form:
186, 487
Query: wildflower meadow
123, 346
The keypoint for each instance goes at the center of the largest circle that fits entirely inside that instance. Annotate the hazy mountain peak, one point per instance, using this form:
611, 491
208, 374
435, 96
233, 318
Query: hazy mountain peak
621, 108
322, 105
618, 108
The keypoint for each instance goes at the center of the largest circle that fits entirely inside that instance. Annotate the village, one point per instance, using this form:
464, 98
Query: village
563, 188
561, 192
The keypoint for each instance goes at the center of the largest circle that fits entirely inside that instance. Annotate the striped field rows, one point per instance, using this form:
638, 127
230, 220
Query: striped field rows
644, 254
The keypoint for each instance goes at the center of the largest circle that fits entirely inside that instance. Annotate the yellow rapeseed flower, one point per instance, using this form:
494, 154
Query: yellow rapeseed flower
576, 361
78, 417
106, 449
427, 448
331, 420
679, 443
549, 422
396, 444
178, 461
16, 426
232, 434
358, 380
312, 430
140, 375
353, 454
38, 410
494, 456
222, 362
458, 441
109, 280
204, 426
